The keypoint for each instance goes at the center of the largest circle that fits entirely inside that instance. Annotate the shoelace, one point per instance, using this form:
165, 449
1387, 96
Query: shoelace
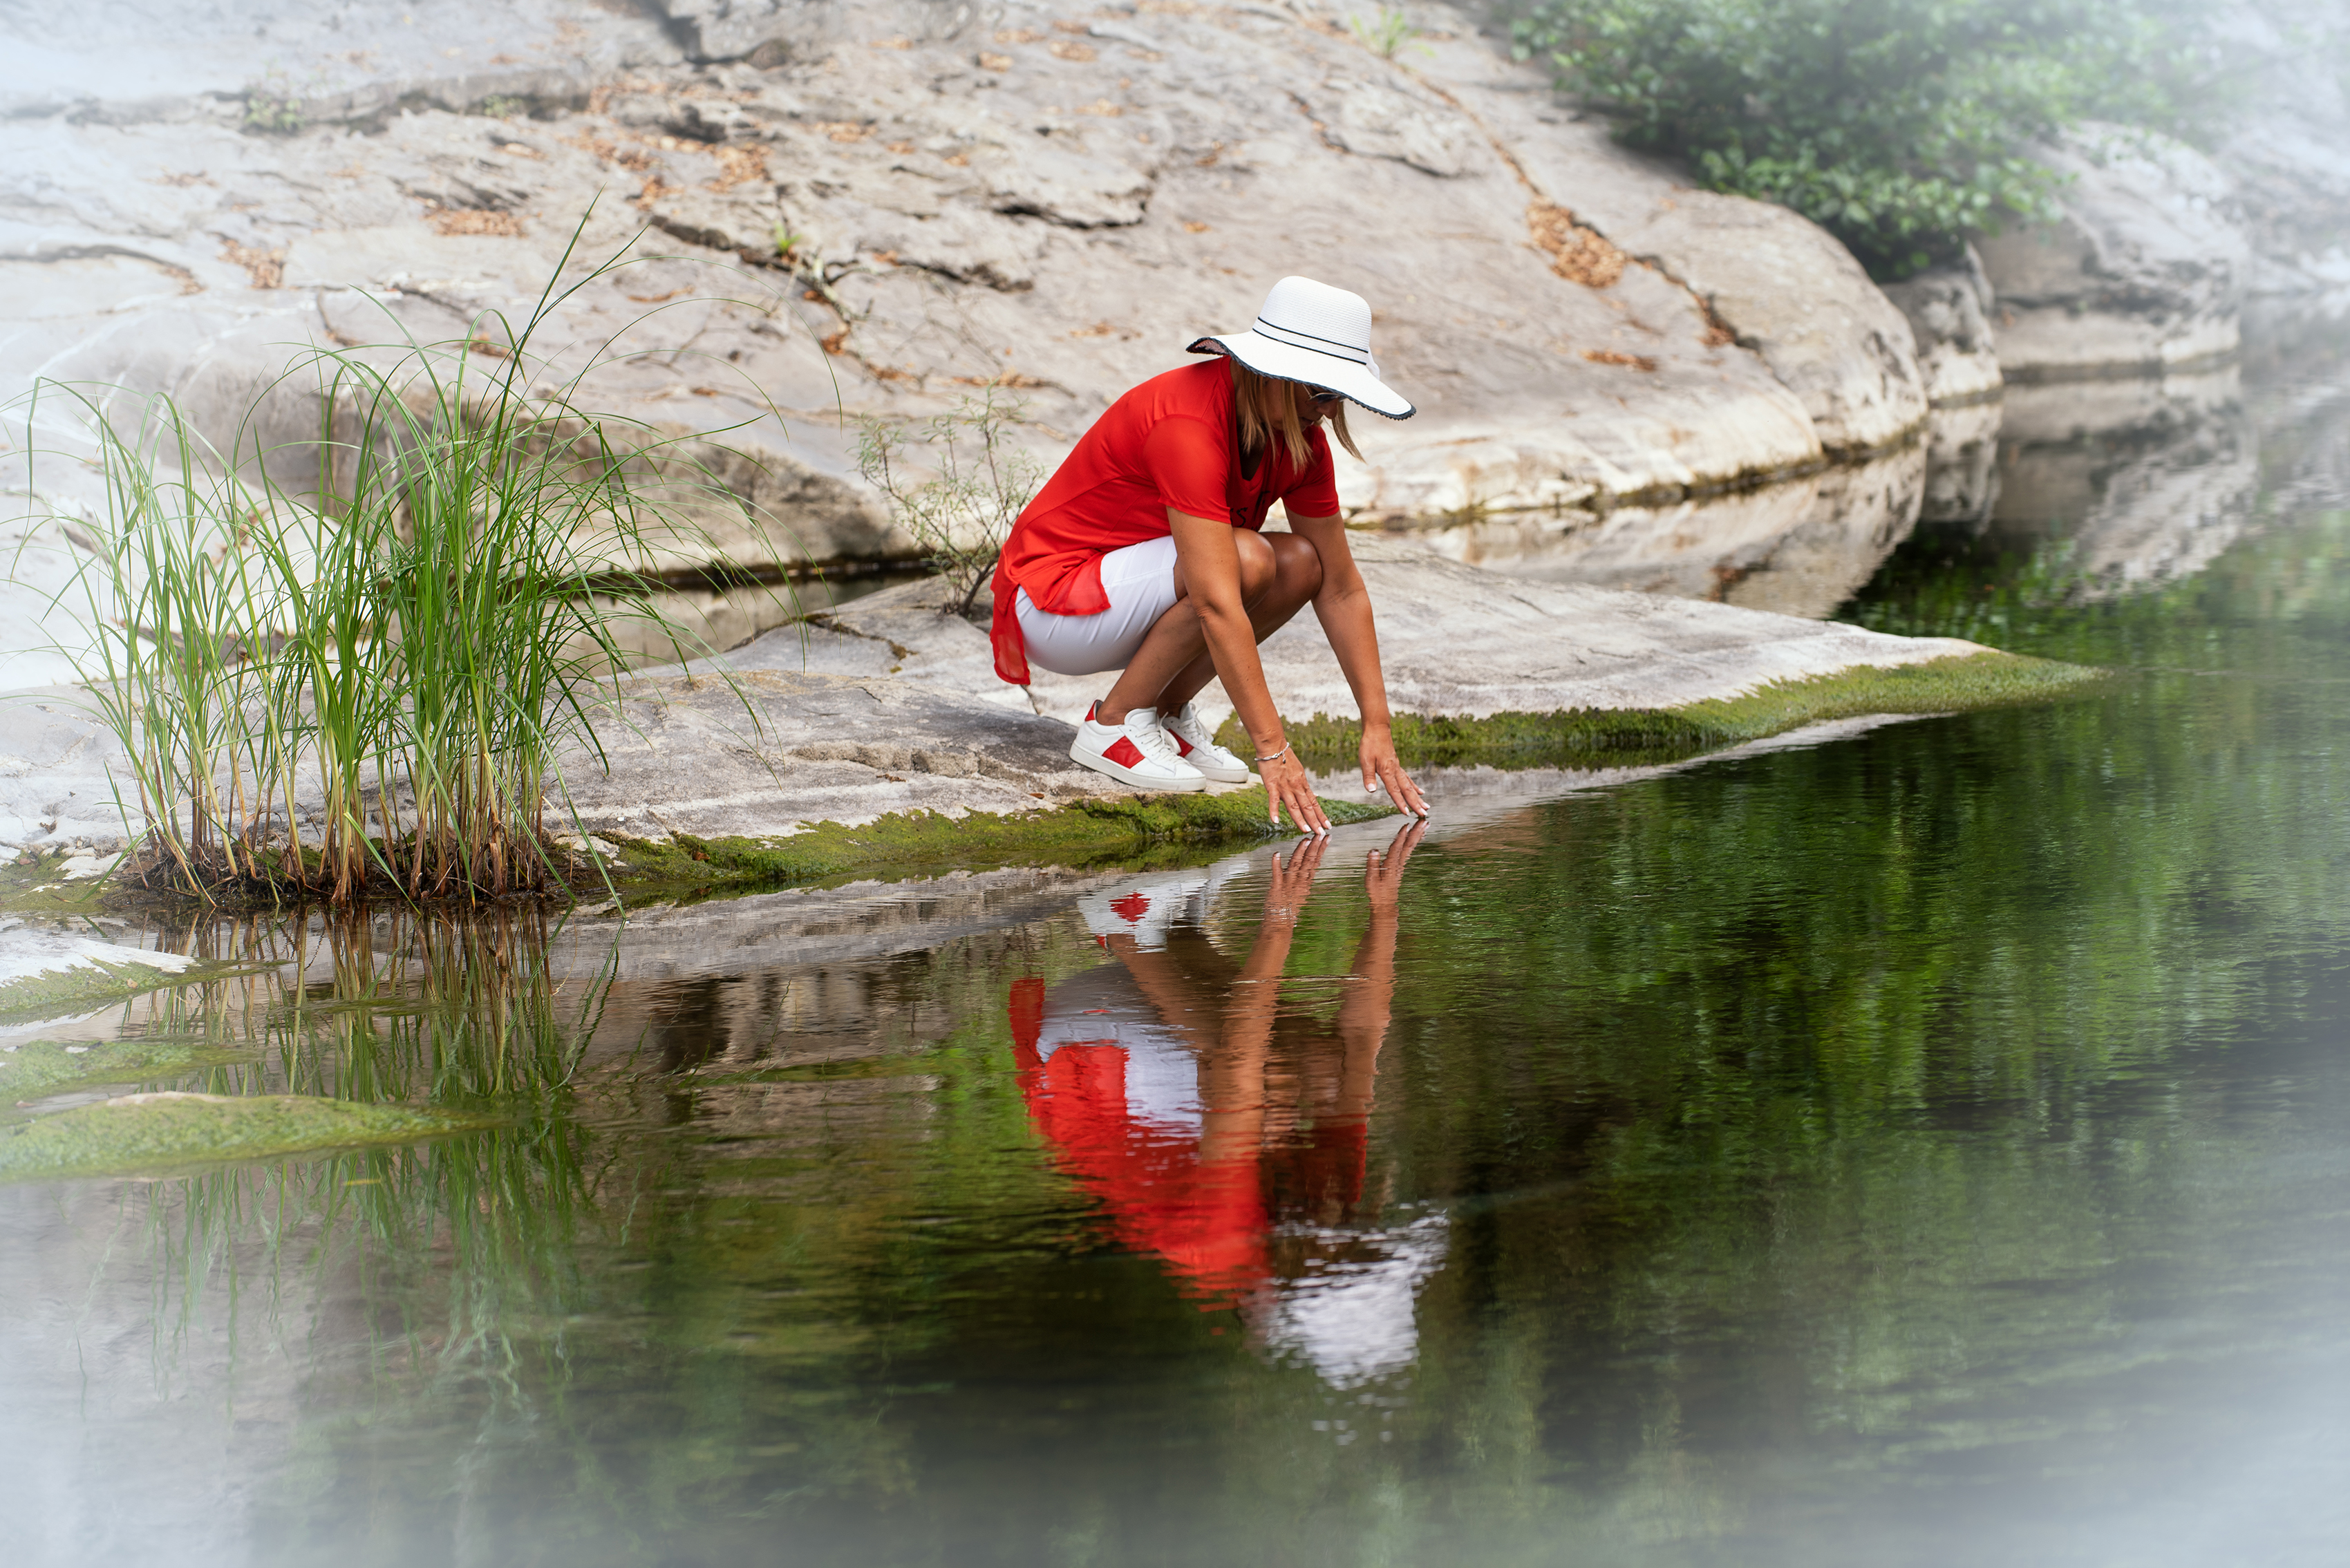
1185, 722
1153, 741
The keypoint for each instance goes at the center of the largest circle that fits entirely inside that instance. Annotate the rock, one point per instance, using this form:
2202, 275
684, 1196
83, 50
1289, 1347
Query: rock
2287, 143
54, 970
687, 757
1961, 466
1772, 281
1801, 547
2143, 486
1950, 309
1454, 639
882, 209
2143, 274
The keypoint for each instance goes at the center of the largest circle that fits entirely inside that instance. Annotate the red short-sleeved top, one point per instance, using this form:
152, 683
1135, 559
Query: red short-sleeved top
1172, 442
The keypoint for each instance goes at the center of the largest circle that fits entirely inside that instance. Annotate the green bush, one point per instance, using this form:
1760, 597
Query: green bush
1898, 125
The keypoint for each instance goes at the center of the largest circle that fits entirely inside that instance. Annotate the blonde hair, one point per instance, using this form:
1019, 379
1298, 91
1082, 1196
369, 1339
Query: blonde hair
1266, 411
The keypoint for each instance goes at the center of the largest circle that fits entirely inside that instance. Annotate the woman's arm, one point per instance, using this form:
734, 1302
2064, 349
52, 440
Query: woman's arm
1343, 607
1210, 562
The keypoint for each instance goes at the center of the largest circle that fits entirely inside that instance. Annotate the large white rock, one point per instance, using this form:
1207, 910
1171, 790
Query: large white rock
1951, 308
1054, 202
2287, 141
2143, 273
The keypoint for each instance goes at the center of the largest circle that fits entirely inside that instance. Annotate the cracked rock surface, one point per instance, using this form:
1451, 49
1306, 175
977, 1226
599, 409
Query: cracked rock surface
886, 207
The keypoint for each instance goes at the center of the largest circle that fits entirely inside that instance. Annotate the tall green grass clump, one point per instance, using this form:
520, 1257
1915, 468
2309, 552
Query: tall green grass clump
362, 680
1898, 125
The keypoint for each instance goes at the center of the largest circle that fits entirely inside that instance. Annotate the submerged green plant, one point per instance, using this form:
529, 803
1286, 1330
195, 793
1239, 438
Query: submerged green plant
979, 483
370, 682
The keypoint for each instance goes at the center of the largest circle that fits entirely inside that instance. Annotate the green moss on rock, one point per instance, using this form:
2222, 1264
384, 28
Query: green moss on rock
82, 987
169, 1131
1631, 737
40, 1067
1140, 831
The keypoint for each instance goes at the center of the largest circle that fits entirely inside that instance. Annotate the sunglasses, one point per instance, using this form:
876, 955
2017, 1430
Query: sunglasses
1321, 398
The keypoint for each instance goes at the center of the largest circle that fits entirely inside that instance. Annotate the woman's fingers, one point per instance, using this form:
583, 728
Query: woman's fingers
1382, 770
1402, 791
1288, 785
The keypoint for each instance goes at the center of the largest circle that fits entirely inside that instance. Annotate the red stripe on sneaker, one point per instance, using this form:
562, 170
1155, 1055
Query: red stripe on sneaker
1124, 752
1182, 746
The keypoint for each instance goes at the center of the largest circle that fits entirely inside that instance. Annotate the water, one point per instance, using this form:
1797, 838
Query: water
1931, 1146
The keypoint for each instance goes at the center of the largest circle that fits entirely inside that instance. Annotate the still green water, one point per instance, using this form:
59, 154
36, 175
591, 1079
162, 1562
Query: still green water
1929, 1146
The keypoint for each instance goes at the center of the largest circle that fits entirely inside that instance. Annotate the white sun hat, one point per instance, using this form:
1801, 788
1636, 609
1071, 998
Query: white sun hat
1312, 333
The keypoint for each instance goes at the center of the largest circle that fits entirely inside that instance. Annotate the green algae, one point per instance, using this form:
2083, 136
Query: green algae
1631, 737
37, 885
140, 1133
41, 1067
1139, 831
84, 986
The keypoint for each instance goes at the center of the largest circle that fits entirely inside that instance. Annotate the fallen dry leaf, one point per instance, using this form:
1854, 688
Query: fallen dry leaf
267, 269
449, 222
1576, 253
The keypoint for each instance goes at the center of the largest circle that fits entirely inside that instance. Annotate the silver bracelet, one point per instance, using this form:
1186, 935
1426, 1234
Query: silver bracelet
1276, 756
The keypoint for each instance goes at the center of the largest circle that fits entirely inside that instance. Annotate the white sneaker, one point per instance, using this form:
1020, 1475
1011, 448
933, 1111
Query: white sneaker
1196, 744
1137, 752
1142, 909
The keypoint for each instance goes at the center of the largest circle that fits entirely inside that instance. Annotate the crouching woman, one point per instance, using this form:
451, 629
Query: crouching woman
1145, 554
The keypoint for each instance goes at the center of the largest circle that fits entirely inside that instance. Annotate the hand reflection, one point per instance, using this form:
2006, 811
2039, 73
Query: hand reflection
1174, 1087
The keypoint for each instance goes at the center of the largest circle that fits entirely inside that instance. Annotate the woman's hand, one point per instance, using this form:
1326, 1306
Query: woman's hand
1381, 771
1287, 784
1291, 885
1383, 871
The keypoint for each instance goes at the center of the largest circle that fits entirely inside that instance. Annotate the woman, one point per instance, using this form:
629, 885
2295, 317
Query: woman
1145, 554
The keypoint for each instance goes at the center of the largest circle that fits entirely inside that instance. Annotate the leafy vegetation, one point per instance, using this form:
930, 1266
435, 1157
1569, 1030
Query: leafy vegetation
1899, 125
269, 114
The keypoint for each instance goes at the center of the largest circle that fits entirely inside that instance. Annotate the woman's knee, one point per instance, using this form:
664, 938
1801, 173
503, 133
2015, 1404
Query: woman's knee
1297, 564
1260, 563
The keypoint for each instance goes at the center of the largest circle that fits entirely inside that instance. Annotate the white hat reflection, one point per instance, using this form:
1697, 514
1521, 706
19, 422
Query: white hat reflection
1353, 1320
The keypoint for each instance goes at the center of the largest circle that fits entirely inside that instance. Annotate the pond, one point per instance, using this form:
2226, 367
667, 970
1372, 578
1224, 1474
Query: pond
1925, 1142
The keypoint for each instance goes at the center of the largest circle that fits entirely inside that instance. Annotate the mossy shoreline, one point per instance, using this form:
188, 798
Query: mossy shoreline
1640, 737
1139, 831
1143, 831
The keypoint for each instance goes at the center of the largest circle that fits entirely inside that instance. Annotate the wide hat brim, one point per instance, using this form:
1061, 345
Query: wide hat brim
1337, 372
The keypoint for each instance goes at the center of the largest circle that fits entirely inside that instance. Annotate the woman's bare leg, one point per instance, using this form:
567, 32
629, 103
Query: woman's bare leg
1280, 575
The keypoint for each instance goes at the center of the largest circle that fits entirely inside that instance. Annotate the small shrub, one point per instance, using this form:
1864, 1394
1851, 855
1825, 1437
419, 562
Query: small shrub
980, 482
1385, 36
270, 115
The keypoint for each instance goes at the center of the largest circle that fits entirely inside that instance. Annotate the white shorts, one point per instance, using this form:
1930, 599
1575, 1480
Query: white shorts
1140, 582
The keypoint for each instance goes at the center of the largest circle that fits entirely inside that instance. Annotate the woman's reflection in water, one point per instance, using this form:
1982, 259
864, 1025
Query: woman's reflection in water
1223, 1133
